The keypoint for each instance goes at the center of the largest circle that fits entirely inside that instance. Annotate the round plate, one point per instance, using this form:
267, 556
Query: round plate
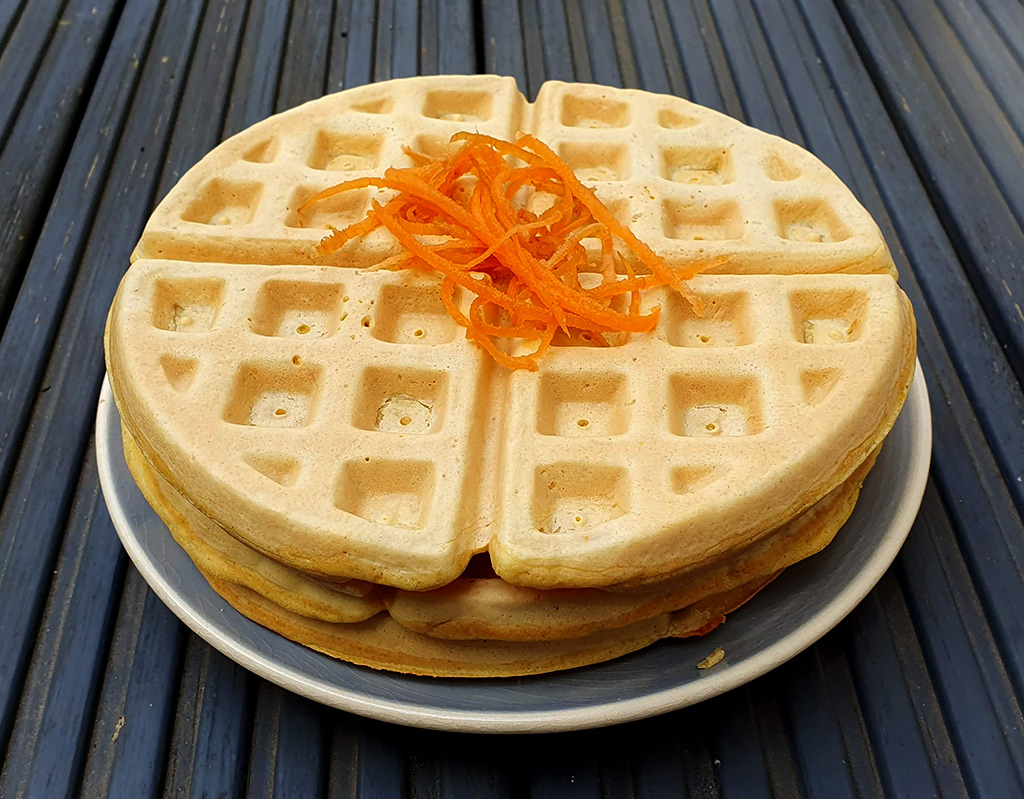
788, 616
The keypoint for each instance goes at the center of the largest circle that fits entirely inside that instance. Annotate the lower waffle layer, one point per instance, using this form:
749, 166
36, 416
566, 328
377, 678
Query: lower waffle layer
565, 628
382, 643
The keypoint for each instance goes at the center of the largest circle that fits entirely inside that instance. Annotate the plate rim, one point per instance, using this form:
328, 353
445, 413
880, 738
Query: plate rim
607, 713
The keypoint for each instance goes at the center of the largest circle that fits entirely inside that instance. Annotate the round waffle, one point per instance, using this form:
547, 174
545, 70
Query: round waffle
326, 444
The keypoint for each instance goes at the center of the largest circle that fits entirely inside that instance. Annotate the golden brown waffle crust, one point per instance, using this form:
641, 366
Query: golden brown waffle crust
483, 609
502, 468
381, 643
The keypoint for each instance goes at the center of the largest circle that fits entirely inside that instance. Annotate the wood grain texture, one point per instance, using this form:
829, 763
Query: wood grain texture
915, 103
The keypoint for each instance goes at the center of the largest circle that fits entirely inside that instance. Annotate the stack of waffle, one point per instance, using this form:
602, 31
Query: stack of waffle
346, 468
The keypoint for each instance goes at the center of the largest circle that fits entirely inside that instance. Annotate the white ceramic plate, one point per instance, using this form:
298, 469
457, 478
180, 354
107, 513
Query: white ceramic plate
792, 613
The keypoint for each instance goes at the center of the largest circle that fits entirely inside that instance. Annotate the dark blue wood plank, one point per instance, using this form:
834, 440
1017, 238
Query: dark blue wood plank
307, 53
503, 37
564, 772
533, 43
199, 124
405, 39
441, 765
446, 43
475, 766
339, 46
988, 527
578, 42
600, 44
958, 180
380, 759
989, 105
208, 752
51, 732
985, 717
24, 49
859, 759
806, 120
1008, 19
424, 775
964, 465
736, 747
457, 47
997, 64
128, 748
360, 37
829, 740
657, 756
40, 303
712, 84
663, 755
554, 40
616, 779
34, 510
453, 765
10, 11
516, 42
766, 703
42, 115
760, 89
667, 45
911, 742
255, 85
288, 756
385, 36
629, 77
343, 757
696, 730
428, 13
91, 314
646, 50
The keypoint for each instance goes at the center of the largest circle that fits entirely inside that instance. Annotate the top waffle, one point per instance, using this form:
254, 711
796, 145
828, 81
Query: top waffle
690, 182
335, 419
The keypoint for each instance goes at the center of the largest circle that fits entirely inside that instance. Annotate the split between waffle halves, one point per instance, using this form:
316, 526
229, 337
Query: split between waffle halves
347, 468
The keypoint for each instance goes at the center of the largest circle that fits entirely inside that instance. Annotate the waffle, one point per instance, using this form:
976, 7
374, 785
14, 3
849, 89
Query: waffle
333, 453
482, 608
297, 606
690, 450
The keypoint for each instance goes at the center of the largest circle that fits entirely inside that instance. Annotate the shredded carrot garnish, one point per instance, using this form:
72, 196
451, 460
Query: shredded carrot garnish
506, 223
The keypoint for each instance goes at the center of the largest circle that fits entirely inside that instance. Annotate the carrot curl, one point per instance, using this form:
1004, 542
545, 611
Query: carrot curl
506, 223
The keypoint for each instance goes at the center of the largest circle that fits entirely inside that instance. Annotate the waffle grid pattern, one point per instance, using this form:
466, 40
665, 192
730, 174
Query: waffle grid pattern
701, 398
248, 212
434, 453
692, 183
283, 363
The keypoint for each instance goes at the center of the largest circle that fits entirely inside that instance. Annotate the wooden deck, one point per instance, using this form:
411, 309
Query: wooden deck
917, 104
